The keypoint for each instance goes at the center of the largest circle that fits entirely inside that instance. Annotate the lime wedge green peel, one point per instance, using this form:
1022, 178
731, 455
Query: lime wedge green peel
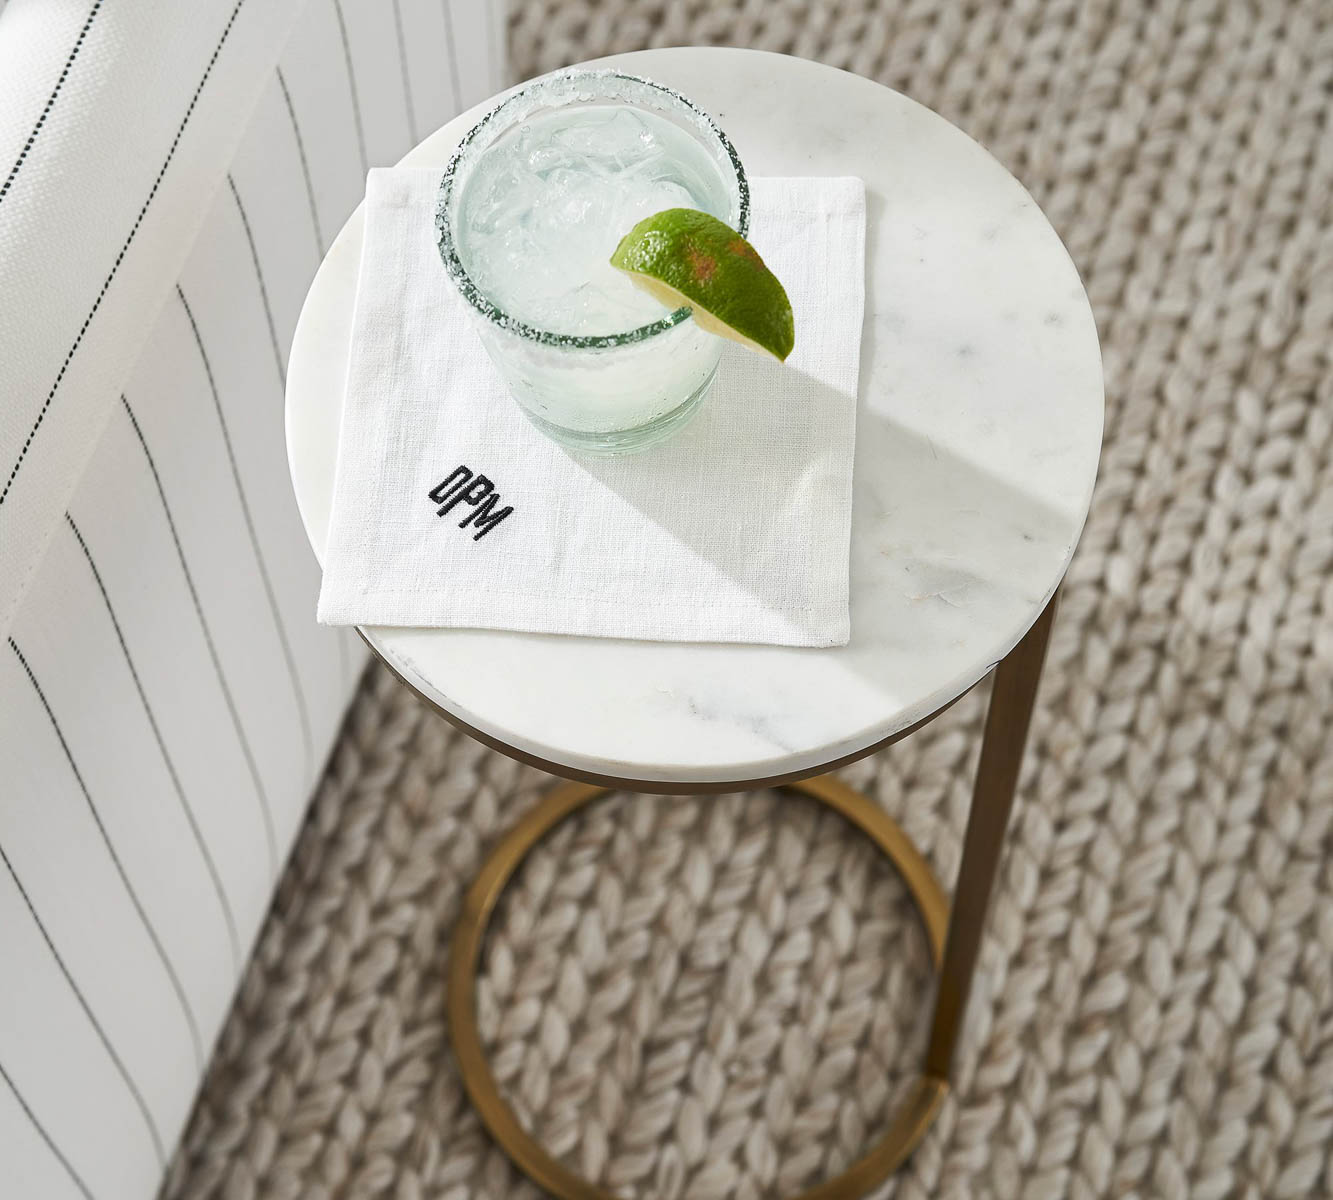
687, 257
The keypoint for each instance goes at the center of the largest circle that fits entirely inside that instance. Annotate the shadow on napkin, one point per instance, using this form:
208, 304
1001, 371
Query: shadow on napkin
686, 487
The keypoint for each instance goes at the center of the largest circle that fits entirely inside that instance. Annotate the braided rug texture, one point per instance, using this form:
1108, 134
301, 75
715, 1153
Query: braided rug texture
719, 997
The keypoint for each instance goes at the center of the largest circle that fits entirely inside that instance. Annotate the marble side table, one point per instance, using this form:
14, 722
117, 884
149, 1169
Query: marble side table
978, 431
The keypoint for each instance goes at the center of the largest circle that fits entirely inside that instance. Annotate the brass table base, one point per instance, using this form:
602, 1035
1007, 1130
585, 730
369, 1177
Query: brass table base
954, 951
909, 1123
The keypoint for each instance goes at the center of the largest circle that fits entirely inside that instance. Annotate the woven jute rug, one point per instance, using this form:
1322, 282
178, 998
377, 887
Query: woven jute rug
719, 997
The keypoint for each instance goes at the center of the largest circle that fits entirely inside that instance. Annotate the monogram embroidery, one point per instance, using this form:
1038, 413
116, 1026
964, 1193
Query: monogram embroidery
463, 487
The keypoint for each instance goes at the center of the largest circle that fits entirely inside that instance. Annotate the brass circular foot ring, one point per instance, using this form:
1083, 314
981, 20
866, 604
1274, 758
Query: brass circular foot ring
908, 1124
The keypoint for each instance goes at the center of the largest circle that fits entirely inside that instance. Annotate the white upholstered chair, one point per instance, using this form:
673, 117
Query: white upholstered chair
170, 176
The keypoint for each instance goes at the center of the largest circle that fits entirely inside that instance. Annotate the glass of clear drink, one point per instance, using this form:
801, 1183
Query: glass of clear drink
533, 203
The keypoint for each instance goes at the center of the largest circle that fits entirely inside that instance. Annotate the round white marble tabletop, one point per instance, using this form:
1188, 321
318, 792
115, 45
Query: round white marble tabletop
978, 431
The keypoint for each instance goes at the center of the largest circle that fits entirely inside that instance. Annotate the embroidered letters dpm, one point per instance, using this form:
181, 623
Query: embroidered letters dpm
464, 487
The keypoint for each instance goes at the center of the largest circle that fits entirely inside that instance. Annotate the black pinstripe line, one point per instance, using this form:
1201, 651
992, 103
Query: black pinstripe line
120, 869
273, 337
265, 810
351, 84
454, 84
305, 163
116, 1060
259, 275
23, 1104
115, 266
50, 101
227, 913
407, 77
297, 691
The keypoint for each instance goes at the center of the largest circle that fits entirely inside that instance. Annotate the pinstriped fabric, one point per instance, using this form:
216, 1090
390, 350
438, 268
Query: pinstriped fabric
455, 86
50, 101
35, 1123
278, 359
167, 682
205, 854
298, 691
42, 462
149, 924
352, 85
134, 229
406, 72
83, 1004
305, 166
260, 791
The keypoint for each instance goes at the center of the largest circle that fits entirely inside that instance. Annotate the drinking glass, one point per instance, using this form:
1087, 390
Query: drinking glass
615, 389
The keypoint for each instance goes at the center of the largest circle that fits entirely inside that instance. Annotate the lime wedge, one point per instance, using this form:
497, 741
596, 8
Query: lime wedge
687, 257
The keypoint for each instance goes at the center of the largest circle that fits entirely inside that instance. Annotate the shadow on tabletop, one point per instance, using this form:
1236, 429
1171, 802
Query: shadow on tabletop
924, 520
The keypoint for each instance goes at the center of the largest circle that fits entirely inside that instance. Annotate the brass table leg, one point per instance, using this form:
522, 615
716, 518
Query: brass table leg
1015, 689
1002, 745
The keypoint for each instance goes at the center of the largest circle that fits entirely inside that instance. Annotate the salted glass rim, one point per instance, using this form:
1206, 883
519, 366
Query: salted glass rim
702, 123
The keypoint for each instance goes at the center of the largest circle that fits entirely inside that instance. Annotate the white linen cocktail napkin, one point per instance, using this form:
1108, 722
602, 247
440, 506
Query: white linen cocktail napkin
735, 530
